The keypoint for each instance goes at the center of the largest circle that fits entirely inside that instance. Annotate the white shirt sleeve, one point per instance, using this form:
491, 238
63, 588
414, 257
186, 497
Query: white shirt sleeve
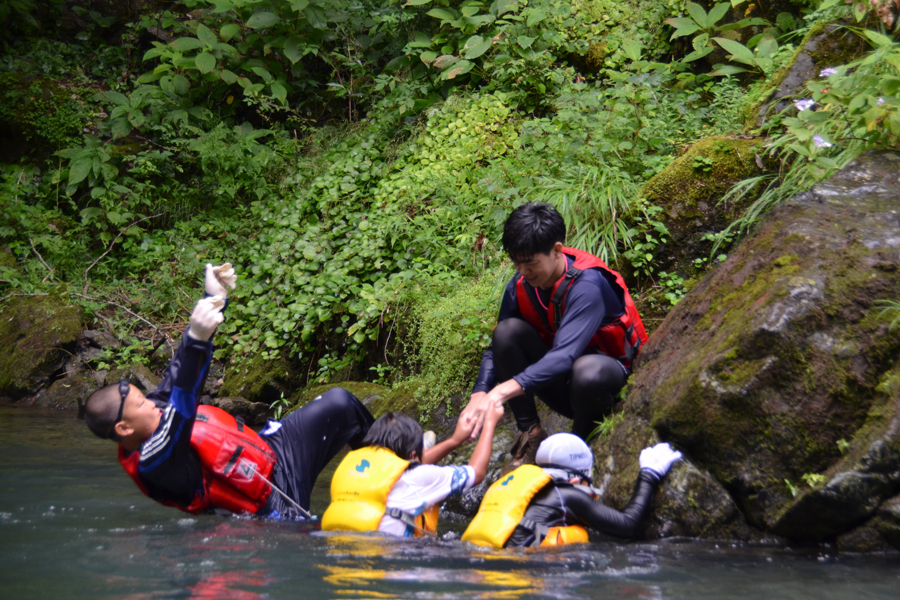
419, 489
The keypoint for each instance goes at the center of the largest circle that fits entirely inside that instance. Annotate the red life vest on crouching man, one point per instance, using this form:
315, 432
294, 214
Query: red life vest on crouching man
233, 457
621, 339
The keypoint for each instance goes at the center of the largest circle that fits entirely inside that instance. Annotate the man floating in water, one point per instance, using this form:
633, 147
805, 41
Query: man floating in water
202, 459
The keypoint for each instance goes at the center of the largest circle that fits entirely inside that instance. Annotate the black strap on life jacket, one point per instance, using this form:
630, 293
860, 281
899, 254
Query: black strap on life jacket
539, 531
560, 295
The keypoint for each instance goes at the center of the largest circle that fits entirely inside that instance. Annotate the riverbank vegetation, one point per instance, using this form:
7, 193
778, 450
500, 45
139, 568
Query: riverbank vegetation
356, 160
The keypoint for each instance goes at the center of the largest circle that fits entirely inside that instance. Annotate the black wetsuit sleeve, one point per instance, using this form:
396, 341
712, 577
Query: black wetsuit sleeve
584, 510
567, 505
509, 308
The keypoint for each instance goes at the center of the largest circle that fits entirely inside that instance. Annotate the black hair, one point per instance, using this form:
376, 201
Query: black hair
398, 433
533, 228
101, 411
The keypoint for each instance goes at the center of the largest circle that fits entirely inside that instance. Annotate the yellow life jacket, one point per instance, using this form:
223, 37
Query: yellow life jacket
359, 492
503, 508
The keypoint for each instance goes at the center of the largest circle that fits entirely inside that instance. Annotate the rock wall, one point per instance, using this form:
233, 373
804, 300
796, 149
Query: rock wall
778, 376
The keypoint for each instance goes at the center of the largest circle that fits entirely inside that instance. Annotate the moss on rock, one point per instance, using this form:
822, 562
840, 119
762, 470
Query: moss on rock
690, 190
260, 380
779, 353
36, 334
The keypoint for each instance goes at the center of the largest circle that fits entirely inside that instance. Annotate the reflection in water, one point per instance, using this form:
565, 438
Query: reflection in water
72, 525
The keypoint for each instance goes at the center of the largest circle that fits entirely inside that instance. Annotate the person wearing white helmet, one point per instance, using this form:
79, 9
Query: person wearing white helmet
553, 503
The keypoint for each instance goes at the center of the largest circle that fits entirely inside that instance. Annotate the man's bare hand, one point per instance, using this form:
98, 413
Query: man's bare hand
472, 416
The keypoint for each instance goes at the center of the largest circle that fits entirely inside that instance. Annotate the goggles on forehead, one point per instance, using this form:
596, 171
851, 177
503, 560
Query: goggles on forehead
124, 388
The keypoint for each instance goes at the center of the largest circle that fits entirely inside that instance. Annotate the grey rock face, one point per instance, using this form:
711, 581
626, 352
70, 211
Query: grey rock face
778, 376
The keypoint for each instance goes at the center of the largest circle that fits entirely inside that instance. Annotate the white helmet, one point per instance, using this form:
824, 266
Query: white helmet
565, 452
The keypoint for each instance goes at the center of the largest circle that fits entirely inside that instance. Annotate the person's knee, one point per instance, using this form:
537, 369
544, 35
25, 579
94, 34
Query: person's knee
340, 398
511, 333
598, 372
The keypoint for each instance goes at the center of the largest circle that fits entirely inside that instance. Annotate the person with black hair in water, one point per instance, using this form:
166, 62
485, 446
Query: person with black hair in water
200, 459
568, 333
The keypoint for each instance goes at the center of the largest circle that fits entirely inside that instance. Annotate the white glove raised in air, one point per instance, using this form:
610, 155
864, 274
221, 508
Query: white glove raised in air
206, 317
217, 278
659, 459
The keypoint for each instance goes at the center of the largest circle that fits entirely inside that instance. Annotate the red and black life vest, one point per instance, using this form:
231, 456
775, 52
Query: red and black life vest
620, 339
232, 456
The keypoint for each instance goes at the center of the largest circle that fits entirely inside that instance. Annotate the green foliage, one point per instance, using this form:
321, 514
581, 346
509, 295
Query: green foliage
891, 309
843, 446
136, 351
607, 426
792, 489
813, 479
451, 329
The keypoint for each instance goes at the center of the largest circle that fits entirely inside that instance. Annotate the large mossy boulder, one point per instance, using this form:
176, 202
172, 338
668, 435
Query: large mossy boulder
778, 373
825, 45
689, 191
36, 335
260, 380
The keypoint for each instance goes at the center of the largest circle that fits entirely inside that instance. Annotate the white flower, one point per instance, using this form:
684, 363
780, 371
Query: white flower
828, 72
804, 104
880, 101
820, 142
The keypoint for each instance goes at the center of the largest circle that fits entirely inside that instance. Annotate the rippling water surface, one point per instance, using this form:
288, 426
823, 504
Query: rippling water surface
72, 525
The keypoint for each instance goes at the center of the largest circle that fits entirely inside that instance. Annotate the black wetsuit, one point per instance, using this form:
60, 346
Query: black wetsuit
577, 384
303, 442
558, 505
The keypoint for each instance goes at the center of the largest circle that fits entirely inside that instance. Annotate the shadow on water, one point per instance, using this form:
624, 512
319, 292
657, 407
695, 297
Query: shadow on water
72, 525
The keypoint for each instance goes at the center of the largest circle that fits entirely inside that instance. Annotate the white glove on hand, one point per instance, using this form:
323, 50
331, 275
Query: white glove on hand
206, 317
219, 277
659, 459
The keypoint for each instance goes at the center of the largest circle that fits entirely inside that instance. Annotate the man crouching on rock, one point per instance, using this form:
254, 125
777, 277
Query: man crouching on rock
202, 459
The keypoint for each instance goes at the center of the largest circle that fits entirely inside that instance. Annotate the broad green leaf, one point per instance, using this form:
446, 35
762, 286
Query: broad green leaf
186, 44
473, 41
722, 70
279, 91
267, 77
262, 20
535, 17
229, 31
444, 61
205, 62
697, 13
476, 51
460, 68
115, 97
91, 212
766, 47
479, 20
397, 63
738, 51
442, 14
182, 85
298, 5
316, 17
292, 49
428, 57
744, 23
78, 170
736, 3
715, 15
682, 27
469, 11
500, 7
416, 2
420, 40
228, 76
877, 39
700, 42
206, 35
525, 41
632, 48
697, 54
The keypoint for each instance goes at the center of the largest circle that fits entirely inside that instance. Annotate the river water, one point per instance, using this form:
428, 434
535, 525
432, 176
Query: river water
73, 525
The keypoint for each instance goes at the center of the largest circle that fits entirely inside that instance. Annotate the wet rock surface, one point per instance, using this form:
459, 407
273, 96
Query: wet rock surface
777, 374
37, 334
